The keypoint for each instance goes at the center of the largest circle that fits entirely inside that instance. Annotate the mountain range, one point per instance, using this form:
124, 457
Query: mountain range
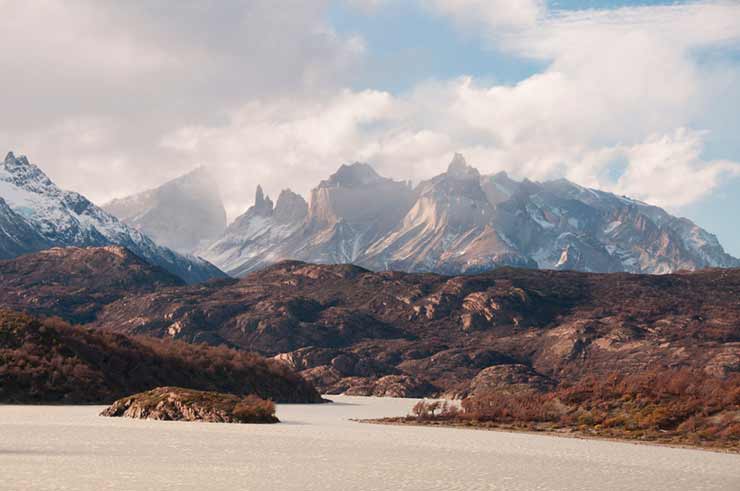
36, 214
462, 222
458, 222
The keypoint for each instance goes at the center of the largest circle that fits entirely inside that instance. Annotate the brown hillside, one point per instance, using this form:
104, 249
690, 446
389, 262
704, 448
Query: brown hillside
50, 361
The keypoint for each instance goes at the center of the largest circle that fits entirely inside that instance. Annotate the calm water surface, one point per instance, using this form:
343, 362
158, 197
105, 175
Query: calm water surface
317, 447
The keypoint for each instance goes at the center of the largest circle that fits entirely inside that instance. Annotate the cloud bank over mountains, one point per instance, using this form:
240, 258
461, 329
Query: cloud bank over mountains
628, 99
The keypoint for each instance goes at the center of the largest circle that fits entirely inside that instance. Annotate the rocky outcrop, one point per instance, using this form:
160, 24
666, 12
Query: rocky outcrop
509, 379
178, 404
390, 386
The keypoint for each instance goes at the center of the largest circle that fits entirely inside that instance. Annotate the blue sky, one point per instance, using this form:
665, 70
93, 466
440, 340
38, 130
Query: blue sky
407, 44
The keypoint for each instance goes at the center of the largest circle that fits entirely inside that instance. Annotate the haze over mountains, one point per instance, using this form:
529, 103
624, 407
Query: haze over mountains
35, 214
462, 222
181, 214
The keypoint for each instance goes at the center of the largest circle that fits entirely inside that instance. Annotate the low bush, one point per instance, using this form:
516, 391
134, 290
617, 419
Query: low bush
50, 361
682, 406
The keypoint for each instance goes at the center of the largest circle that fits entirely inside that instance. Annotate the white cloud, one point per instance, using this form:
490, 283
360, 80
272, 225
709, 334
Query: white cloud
90, 87
544, 127
496, 15
668, 170
623, 85
284, 142
145, 91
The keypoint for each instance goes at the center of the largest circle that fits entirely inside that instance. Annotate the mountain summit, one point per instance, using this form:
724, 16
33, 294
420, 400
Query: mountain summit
39, 215
182, 214
463, 222
460, 169
352, 175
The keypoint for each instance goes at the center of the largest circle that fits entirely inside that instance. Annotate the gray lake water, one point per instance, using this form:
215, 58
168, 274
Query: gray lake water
317, 447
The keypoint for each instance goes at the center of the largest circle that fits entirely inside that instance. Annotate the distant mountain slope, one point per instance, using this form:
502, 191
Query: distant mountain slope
17, 236
53, 217
565, 226
451, 228
52, 362
181, 214
256, 237
462, 222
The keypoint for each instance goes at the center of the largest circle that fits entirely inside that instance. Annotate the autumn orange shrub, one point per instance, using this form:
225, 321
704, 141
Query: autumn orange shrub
686, 406
51, 361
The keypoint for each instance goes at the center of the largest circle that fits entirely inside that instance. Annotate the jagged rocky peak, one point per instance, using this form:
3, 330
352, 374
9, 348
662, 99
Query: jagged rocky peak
262, 204
353, 175
12, 160
460, 221
290, 207
460, 182
23, 173
460, 169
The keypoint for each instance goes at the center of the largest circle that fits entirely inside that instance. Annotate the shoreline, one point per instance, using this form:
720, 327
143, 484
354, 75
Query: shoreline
573, 434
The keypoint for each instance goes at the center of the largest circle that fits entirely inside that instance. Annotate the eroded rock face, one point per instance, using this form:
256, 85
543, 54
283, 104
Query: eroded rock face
177, 404
510, 379
389, 386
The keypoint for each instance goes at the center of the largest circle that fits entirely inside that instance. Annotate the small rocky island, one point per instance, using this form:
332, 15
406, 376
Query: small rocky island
178, 404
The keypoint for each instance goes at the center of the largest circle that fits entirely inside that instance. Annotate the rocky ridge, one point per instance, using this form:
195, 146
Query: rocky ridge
347, 329
462, 222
